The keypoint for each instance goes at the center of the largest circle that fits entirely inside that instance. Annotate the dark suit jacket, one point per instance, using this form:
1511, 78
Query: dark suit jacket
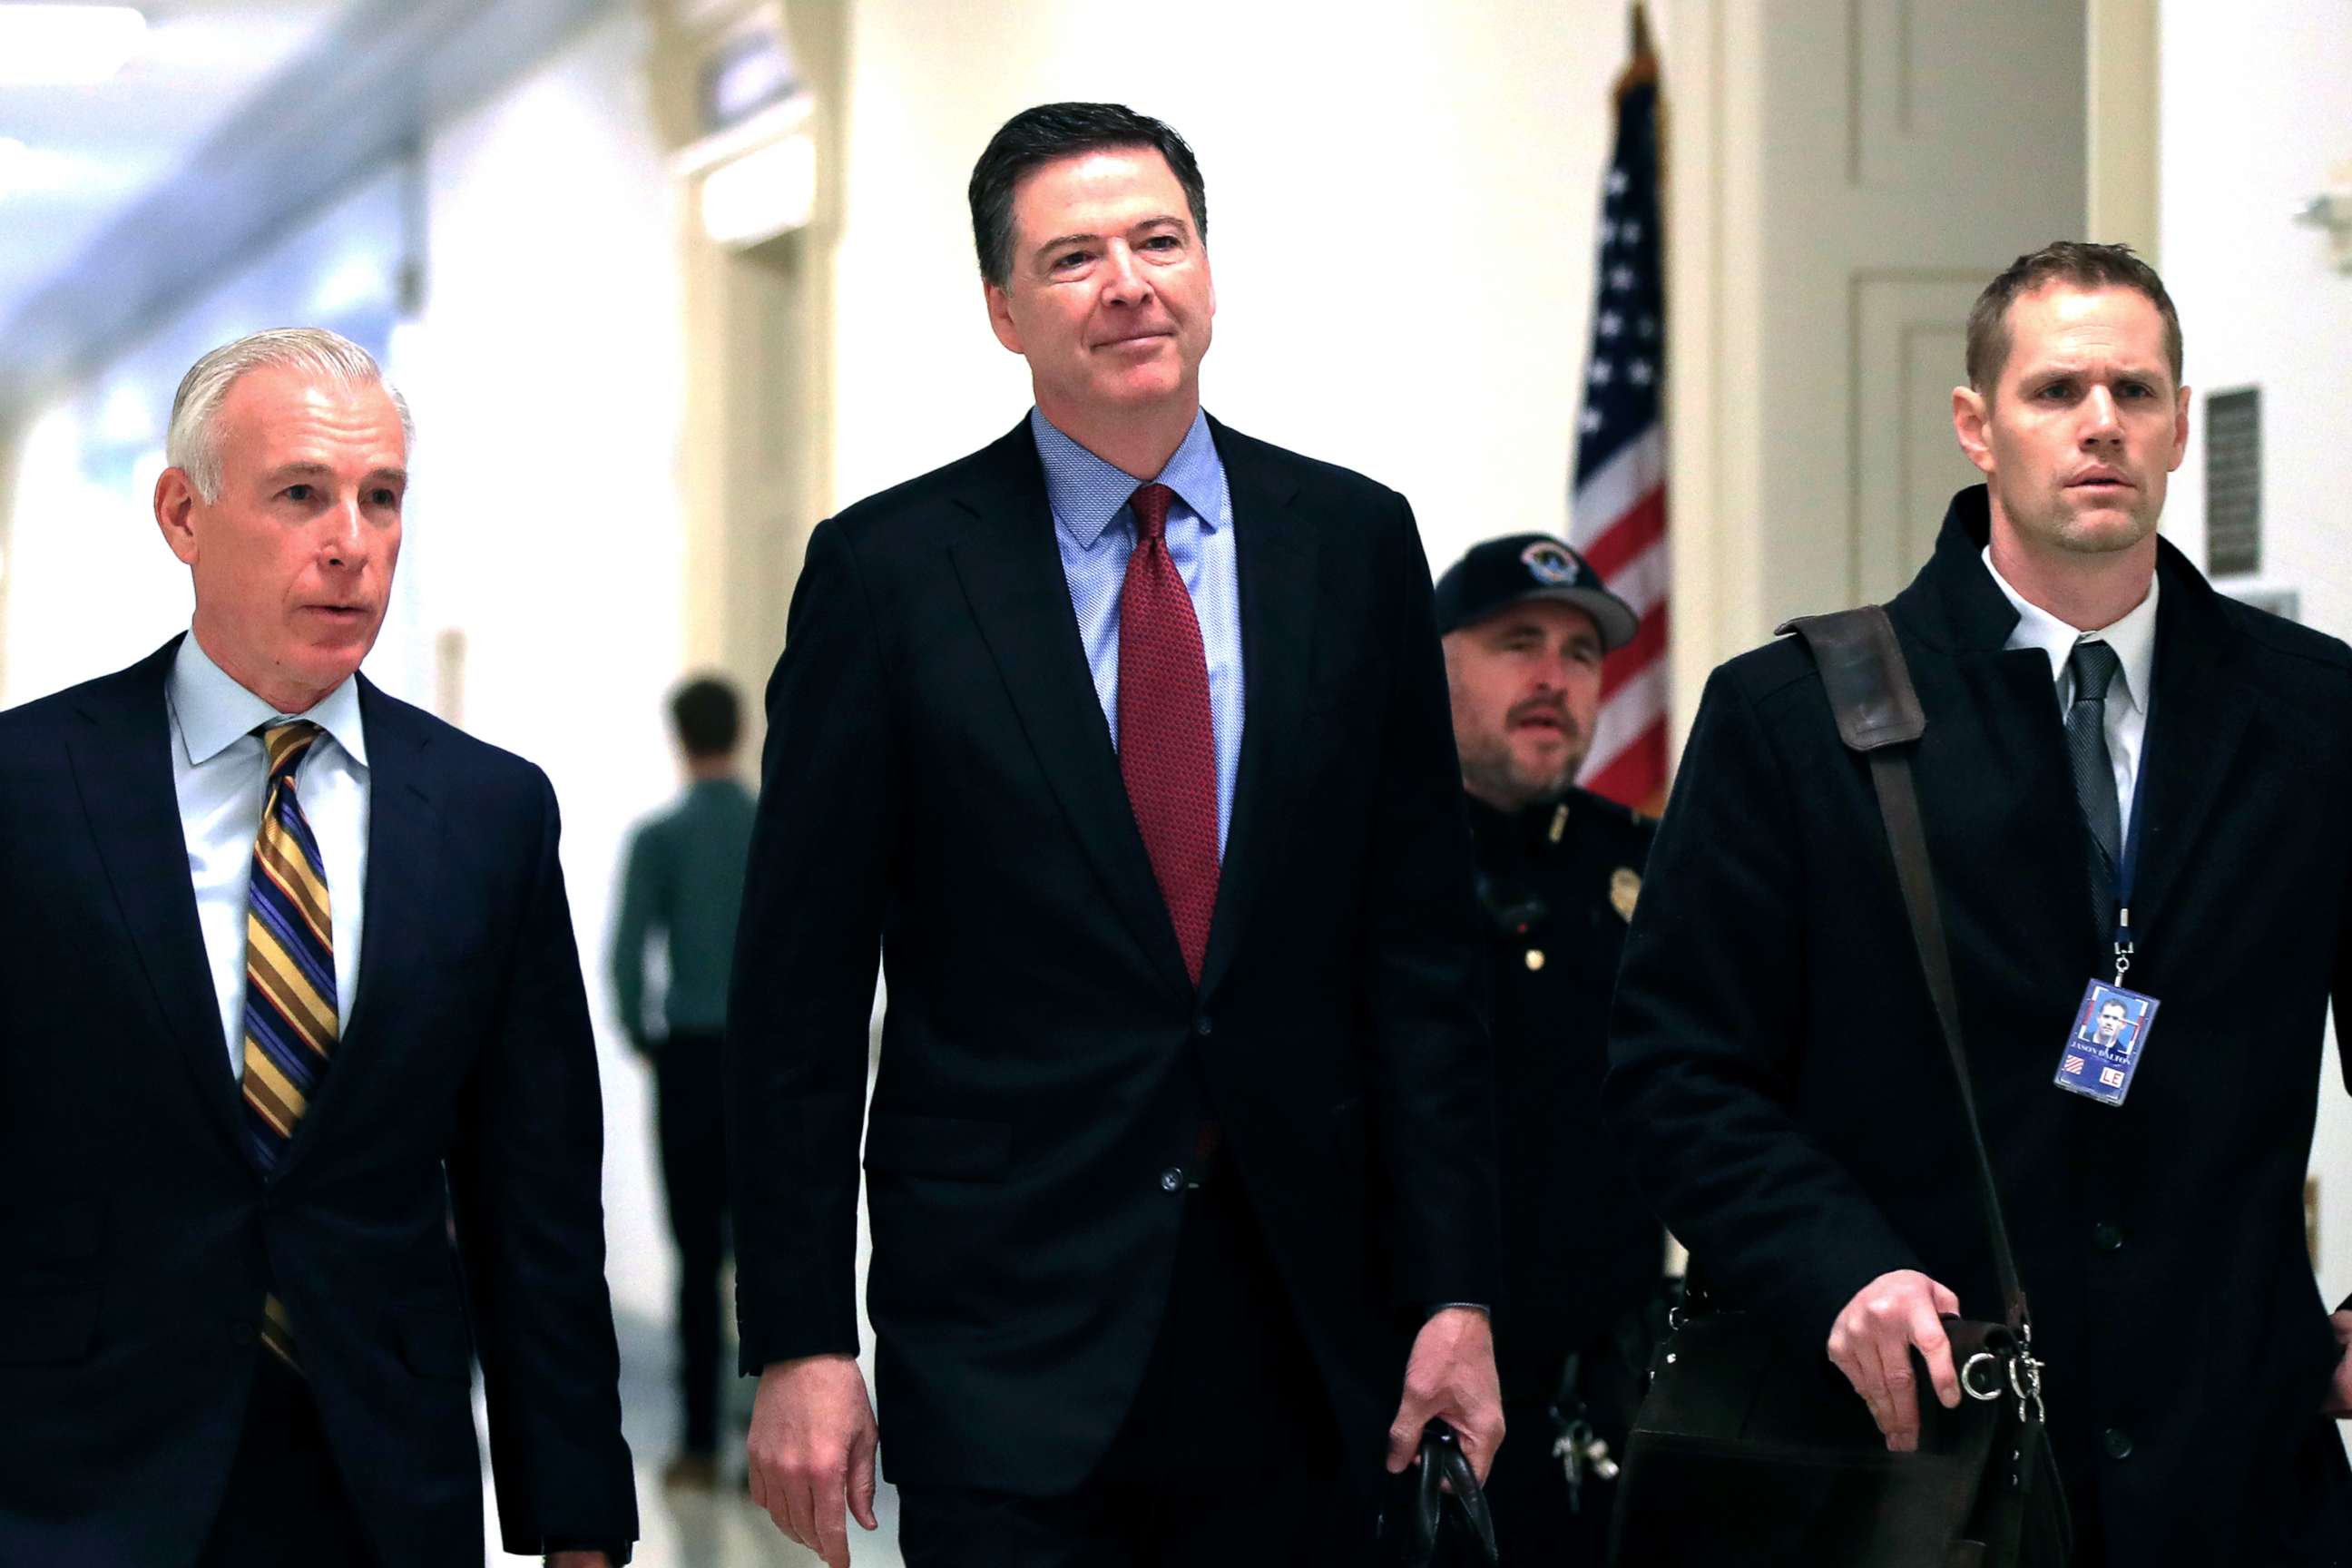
1779, 1072
137, 1237
939, 775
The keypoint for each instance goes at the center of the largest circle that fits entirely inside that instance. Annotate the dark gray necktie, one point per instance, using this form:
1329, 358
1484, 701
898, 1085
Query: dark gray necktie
2093, 666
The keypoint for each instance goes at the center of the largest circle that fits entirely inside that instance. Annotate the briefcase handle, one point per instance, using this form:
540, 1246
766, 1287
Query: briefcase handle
1447, 1475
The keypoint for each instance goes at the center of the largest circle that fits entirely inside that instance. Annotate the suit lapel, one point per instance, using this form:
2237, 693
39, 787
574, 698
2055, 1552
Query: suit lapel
2197, 718
404, 869
1992, 709
1277, 558
123, 767
1011, 576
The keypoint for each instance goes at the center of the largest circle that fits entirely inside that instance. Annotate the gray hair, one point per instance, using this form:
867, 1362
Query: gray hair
194, 444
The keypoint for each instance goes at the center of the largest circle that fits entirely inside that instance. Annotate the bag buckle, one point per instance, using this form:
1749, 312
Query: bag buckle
1987, 1366
2025, 1378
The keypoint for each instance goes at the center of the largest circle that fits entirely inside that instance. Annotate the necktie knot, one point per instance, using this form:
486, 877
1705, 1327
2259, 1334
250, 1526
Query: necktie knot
286, 744
1150, 504
2093, 666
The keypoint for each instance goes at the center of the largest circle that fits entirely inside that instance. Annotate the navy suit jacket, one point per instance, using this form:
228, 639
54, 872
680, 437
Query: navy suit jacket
137, 1236
941, 783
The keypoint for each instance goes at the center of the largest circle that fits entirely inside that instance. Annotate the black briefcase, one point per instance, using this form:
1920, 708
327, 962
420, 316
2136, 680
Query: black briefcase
1749, 1451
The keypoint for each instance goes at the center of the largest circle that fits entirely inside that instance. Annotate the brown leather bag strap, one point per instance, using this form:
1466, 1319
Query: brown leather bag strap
1878, 714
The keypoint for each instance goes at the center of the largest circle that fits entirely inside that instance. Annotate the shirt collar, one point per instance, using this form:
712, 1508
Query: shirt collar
215, 712
1086, 493
2133, 638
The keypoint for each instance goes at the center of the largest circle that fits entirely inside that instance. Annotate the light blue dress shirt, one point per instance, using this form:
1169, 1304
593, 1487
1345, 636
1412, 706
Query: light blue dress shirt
1093, 527
218, 773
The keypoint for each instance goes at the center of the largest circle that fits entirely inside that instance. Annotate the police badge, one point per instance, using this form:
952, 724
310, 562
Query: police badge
1625, 888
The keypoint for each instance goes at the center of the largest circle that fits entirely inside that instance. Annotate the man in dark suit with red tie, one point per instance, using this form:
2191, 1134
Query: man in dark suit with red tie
286, 987
1125, 743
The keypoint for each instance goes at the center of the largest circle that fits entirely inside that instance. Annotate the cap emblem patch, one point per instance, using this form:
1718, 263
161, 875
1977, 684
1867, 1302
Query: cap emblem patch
1550, 564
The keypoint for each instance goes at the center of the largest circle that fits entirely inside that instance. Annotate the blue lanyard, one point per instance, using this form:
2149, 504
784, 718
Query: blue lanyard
2127, 872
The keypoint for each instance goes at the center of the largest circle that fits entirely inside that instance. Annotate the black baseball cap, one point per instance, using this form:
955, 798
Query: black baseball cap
1503, 572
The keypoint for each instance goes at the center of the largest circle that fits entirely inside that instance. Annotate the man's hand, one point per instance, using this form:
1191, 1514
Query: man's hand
1451, 1376
1871, 1343
812, 1449
2339, 1397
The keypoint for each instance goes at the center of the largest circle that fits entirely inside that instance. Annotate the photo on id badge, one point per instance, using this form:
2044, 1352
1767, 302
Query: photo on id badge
2103, 1050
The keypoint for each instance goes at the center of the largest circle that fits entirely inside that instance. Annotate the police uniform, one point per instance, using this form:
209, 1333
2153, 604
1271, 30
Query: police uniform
1583, 1254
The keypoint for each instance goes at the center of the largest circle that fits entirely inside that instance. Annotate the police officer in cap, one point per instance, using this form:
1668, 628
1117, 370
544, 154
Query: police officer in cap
1525, 622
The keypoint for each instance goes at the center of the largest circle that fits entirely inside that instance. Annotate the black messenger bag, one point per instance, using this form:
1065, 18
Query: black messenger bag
1749, 1450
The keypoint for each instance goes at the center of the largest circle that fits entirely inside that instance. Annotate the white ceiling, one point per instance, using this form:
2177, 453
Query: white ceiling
97, 150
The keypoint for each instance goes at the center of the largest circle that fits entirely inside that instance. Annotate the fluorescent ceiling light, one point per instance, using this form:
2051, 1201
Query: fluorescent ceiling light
71, 45
356, 280
24, 168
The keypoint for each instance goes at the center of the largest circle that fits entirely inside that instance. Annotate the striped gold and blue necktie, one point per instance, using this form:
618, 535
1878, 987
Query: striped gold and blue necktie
290, 977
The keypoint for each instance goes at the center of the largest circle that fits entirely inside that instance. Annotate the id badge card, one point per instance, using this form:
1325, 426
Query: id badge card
2105, 1046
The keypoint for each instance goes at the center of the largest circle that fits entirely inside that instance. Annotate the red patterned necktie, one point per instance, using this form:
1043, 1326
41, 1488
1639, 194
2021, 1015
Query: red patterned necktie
1167, 744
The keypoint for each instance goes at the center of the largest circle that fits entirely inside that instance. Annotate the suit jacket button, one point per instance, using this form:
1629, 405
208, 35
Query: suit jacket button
241, 1333
1170, 1180
2118, 1443
2107, 1237
1201, 1026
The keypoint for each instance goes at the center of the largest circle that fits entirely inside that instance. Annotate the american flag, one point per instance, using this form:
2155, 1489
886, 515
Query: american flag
1618, 507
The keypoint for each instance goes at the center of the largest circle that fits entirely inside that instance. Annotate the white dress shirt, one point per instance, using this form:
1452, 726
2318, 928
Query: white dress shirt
2128, 699
218, 772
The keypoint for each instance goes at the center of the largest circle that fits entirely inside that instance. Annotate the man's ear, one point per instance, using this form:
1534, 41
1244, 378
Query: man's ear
2180, 429
175, 506
1971, 412
1000, 317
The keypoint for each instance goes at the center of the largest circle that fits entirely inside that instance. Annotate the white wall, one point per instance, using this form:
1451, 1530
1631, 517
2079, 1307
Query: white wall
2254, 118
1401, 194
546, 378
69, 531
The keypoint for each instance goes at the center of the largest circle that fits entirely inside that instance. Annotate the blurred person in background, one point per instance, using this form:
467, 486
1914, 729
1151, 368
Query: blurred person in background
233, 1330
2123, 773
1525, 622
1180, 1156
683, 883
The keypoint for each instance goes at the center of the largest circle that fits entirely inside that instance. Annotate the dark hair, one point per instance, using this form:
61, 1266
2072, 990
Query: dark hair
2072, 261
706, 717
1051, 131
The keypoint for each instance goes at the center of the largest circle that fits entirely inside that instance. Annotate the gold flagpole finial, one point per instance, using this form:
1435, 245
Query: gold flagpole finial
1642, 69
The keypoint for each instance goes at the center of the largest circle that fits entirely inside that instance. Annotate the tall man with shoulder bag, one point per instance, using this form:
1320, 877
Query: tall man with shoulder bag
2128, 790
